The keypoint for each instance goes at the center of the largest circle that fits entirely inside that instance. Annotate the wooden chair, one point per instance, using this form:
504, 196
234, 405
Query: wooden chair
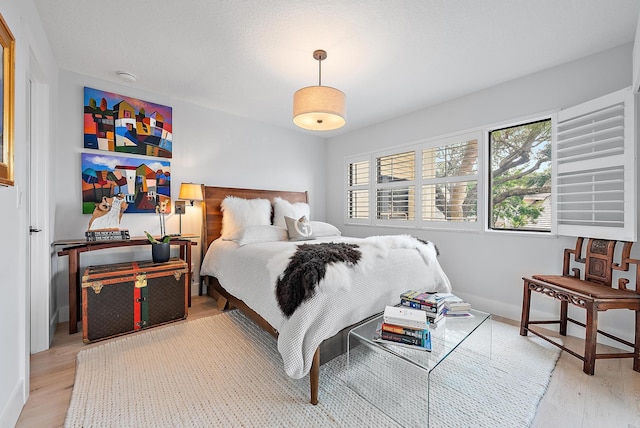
594, 293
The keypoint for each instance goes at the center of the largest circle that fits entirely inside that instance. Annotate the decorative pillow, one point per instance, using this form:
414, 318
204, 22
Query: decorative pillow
238, 213
321, 228
299, 230
283, 208
257, 234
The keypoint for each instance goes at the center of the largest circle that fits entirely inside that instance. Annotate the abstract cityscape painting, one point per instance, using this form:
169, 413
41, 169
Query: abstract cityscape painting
143, 183
122, 124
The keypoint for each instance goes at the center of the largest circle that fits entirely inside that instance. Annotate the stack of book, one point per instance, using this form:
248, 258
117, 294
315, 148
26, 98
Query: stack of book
405, 327
107, 235
456, 307
431, 303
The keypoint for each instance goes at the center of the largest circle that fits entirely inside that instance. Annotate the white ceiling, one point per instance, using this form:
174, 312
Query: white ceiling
390, 57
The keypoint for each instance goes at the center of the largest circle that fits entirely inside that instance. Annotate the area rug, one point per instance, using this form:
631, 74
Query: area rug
224, 371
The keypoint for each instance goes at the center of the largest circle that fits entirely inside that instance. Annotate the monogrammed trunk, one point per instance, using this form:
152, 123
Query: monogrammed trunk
127, 297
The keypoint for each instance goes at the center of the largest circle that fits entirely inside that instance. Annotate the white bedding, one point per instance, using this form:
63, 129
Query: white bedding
389, 266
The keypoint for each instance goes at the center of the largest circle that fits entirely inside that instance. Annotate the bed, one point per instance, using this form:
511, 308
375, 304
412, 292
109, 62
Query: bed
250, 266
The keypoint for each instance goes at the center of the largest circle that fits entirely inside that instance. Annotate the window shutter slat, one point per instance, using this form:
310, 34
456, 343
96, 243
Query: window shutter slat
595, 161
395, 203
396, 167
357, 196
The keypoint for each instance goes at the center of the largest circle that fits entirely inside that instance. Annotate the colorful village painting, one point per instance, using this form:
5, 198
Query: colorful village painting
143, 184
127, 125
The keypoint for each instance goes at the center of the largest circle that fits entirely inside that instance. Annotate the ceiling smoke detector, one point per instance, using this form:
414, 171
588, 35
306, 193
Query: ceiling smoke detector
126, 76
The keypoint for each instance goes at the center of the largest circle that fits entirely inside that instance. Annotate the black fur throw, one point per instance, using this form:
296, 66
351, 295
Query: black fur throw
427, 243
307, 268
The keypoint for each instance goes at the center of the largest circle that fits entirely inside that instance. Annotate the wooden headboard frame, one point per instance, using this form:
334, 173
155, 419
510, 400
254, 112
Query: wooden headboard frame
212, 213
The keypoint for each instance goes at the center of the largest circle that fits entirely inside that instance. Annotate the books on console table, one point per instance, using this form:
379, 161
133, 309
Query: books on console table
107, 235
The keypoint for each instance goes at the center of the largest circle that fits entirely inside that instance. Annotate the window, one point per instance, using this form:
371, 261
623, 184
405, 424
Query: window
395, 188
520, 177
449, 182
433, 184
358, 190
574, 176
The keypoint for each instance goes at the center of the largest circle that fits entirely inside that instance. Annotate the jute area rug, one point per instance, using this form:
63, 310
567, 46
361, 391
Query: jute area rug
224, 371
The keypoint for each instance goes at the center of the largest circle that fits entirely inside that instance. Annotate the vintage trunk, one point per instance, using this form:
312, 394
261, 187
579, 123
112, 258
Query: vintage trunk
126, 297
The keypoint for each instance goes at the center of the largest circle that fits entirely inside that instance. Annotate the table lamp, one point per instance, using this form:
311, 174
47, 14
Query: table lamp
188, 192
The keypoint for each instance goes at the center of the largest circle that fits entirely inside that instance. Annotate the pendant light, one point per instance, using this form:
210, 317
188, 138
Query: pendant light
319, 108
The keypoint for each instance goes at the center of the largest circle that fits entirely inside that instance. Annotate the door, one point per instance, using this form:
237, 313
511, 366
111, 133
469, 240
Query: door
42, 326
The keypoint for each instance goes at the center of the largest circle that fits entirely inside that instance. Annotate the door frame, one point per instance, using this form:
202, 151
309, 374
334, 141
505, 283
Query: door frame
42, 323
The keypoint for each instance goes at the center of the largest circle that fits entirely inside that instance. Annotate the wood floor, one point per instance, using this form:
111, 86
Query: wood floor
610, 398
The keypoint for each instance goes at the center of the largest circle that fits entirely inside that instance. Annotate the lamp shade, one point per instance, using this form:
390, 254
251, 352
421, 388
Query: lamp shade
319, 108
190, 192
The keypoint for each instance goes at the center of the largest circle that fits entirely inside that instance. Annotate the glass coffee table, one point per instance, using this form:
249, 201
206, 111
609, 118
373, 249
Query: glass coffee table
398, 380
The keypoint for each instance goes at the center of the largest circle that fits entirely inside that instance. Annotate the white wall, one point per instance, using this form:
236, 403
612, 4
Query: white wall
24, 22
209, 147
486, 268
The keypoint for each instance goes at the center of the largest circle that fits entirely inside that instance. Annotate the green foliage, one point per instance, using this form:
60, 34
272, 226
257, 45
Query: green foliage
520, 166
153, 240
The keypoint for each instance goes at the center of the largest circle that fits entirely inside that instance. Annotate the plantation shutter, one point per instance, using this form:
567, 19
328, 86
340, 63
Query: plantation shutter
395, 186
595, 168
358, 181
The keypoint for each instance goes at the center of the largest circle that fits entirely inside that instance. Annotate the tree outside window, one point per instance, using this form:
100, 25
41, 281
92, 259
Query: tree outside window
450, 185
520, 181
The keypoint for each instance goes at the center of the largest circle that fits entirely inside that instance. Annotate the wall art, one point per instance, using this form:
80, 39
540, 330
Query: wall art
7, 74
143, 183
122, 124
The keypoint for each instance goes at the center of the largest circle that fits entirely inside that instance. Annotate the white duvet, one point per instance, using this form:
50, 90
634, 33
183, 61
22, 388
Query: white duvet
389, 266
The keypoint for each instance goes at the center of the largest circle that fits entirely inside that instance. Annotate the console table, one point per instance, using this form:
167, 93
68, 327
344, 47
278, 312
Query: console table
77, 247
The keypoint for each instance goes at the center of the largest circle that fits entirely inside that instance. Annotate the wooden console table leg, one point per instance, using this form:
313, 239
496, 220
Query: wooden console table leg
185, 254
74, 262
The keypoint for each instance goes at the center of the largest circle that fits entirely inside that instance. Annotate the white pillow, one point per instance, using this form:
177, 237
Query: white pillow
257, 234
299, 230
238, 213
321, 228
283, 208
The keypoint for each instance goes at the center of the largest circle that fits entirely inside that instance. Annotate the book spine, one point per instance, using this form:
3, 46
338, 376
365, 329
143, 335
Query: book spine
105, 235
417, 305
401, 338
402, 330
448, 313
431, 316
404, 323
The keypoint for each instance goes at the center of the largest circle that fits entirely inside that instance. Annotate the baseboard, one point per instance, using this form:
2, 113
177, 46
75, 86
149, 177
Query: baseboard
13, 408
53, 323
63, 313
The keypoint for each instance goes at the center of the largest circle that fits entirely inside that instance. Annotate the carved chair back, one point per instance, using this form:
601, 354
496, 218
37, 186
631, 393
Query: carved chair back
599, 262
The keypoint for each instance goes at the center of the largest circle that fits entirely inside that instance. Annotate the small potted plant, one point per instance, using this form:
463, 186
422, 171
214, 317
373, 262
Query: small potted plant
160, 248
